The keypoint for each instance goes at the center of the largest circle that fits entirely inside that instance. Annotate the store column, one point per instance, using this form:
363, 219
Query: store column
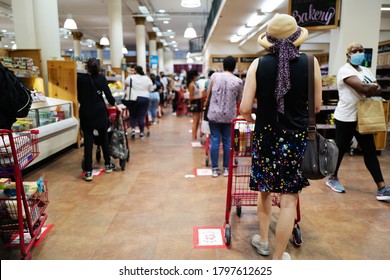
116, 33
44, 14
160, 52
24, 24
77, 43
358, 24
99, 52
152, 51
140, 41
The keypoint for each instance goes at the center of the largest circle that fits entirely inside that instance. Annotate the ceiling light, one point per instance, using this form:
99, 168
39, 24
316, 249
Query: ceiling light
104, 41
190, 31
14, 46
124, 49
255, 19
166, 21
155, 29
243, 31
235, 38
161, 11
149, 19
190, 3
143, 10
385, 9
70, 23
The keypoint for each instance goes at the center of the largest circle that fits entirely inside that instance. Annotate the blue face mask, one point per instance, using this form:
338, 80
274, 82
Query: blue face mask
356, 58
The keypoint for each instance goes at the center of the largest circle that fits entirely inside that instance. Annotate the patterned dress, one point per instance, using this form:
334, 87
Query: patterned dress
279, 140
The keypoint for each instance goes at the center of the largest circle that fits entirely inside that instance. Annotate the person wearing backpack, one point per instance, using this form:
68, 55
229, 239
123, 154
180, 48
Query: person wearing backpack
15, 98
93, 113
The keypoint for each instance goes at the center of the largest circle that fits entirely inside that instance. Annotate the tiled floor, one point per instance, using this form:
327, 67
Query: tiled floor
149, 210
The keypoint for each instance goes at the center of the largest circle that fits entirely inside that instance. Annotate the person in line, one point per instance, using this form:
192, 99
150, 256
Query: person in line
154, 99
207, 83
141, 86
175, 92
354, 82
166, 84
226, 91
93, 113
279, 82
195, 99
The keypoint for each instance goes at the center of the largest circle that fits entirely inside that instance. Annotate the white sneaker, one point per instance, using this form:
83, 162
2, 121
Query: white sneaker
262, 247
225, 172
286, 256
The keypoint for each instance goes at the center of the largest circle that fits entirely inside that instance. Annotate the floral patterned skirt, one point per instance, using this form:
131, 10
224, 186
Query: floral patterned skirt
276, 160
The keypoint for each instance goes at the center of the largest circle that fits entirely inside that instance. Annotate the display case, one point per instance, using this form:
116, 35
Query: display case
58, 128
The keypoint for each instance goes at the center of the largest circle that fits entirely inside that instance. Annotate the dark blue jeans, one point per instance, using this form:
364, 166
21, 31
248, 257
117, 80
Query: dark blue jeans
218, 131
138, 113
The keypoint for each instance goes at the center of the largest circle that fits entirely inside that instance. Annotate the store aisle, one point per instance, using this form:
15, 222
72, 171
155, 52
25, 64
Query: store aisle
149, 210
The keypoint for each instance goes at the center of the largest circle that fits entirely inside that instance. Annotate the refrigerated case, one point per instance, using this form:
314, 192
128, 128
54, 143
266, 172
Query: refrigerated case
57, 125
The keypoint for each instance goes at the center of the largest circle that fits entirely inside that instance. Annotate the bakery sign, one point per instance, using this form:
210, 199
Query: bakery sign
315, 14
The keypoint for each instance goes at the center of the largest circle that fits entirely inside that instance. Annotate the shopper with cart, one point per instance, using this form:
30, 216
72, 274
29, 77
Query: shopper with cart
279, 82
93, 113
224, 93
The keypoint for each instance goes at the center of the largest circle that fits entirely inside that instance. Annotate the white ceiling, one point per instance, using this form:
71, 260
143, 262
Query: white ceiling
92, 20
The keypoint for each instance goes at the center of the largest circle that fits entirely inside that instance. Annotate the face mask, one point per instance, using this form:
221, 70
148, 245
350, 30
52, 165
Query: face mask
357, 58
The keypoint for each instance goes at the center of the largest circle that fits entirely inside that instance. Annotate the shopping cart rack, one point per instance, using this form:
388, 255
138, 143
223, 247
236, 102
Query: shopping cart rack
238, 192
22, 209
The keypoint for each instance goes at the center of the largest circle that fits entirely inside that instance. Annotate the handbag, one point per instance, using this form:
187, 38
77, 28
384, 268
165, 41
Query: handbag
320, 158
370, 116
193, 107
118, 147
127, 102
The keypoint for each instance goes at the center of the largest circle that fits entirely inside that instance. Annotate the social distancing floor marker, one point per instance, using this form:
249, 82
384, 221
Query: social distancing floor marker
209, 237
196, 145
15, 239
202, 171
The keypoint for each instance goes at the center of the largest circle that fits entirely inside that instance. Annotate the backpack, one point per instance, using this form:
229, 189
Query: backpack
15, 97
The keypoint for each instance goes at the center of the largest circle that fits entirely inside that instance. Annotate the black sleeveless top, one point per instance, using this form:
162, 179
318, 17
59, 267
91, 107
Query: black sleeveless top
295, 115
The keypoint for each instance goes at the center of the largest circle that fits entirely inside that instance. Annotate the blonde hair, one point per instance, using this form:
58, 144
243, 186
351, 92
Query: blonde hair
353, 45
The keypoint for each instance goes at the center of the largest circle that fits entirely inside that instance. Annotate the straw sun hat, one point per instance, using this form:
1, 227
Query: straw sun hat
282, 26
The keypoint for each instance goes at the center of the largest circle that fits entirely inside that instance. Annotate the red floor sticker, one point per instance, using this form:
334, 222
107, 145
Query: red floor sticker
209, 237
15, 240
202, 172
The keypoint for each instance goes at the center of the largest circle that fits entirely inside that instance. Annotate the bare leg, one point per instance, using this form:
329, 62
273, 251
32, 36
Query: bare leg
285, 224
264, 210
195, 125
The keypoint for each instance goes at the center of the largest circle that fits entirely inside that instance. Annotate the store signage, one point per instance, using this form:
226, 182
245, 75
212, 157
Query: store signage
247, 59
153, 61
383, 48
217, 59
315, 14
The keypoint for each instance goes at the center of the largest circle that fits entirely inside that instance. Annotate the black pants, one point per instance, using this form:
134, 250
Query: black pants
88, 146
344, 134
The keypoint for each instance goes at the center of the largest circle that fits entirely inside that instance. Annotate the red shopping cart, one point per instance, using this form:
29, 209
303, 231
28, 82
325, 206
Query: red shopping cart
22, 209
238, 191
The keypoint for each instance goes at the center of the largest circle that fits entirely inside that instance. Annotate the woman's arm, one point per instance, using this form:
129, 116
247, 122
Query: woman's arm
249, 92
362, 88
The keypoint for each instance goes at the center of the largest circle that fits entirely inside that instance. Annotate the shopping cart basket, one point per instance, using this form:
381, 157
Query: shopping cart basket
22, 210
238, 192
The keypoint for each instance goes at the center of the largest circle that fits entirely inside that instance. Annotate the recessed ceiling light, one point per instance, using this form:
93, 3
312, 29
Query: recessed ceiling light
161, 11
166, 21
